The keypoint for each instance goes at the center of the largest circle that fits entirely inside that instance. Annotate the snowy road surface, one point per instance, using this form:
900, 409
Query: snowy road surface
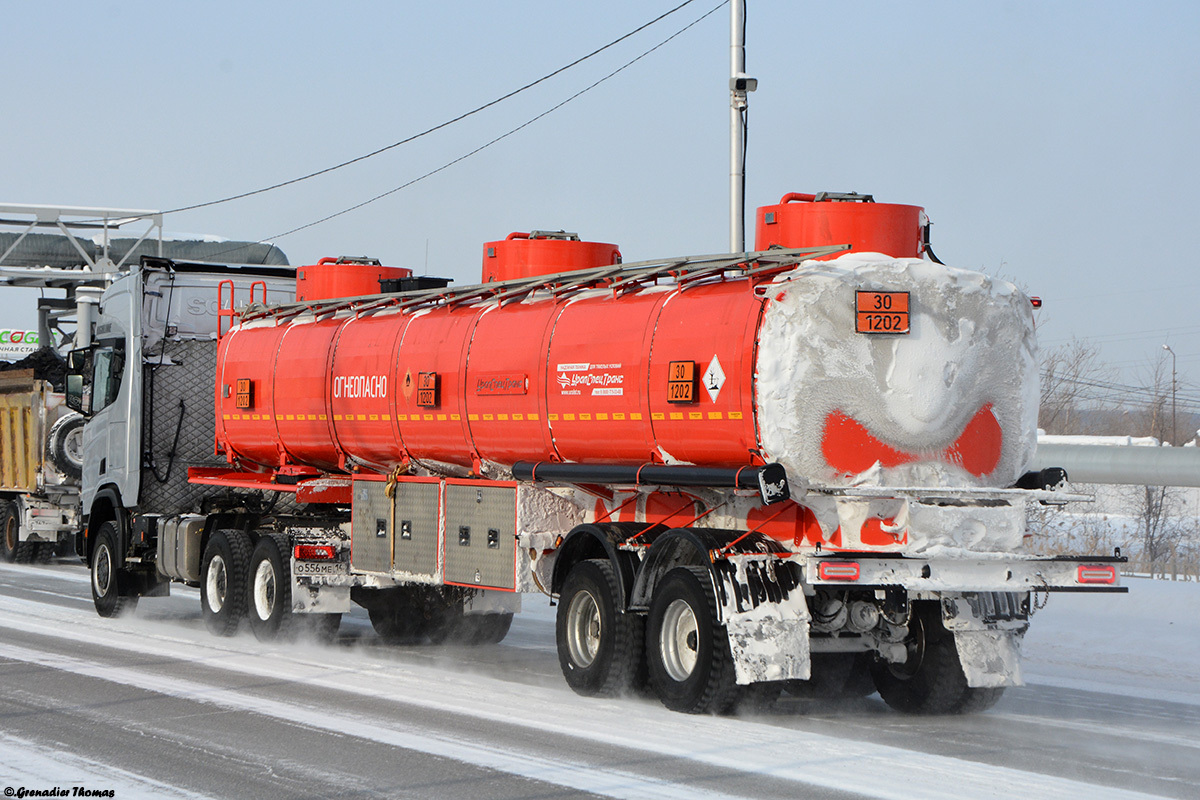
153, 706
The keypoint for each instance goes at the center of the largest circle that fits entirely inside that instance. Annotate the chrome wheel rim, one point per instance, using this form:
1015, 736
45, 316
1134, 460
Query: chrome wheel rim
264, 590
73, 446
583, 629
102, 570
679, 640
216, 584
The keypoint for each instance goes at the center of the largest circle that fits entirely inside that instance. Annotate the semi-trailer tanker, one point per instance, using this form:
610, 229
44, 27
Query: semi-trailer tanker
798, 467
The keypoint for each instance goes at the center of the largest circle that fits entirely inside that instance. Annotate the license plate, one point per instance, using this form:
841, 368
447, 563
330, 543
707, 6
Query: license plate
881, 312
315, 568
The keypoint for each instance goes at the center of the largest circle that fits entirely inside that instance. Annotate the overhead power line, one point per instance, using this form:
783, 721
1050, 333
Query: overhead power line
441, 125
1105, 391
502, 136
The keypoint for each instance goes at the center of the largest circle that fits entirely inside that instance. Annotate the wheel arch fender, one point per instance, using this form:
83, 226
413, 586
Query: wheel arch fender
246, 523
107, 507
701, 547
598, 540
678, 547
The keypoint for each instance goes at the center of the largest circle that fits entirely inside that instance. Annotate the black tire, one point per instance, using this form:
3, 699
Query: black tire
931, 680
691, 668
859, 684
44, 553
485, 628
269, 602
108, 580
64, 445
224, 575
443, 620
401, 618
835, 676
600, 646
15, 551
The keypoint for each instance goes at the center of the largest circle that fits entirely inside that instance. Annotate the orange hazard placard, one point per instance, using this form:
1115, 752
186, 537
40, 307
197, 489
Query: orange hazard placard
427, 389
681, 382
881, 312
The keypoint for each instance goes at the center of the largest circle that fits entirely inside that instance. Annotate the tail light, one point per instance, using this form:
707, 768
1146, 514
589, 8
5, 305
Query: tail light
314, 552
1096, 573
838, 571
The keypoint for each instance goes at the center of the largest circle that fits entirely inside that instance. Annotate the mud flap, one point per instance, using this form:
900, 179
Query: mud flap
990, 658
766, 618
988, 628
309, 598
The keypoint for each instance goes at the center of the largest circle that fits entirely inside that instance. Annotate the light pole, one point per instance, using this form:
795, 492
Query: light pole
1174, 436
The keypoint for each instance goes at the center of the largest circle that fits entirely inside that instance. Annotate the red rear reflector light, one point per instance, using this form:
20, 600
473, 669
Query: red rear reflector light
1036, 302
838, 571
313, 552
1096, 573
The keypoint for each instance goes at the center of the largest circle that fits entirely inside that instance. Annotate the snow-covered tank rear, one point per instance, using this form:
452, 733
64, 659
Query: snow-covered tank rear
950, 400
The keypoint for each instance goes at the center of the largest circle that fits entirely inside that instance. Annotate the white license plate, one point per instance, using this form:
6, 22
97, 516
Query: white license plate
315, 568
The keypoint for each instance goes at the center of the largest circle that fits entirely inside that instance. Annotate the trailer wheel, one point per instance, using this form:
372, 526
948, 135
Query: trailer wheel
443, 619
64, 445
401, 619
600, 646
485, 628
691, 668
223, 578
270, 600
931, 680
107, 577
835, 676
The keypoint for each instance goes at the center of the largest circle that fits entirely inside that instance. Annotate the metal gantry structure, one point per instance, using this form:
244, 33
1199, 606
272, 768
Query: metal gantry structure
81, 269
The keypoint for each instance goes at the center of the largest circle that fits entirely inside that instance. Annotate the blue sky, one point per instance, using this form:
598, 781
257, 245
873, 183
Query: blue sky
1054, 144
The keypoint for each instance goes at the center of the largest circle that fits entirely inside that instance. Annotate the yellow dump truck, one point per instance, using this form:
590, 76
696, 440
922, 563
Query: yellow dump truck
40, 467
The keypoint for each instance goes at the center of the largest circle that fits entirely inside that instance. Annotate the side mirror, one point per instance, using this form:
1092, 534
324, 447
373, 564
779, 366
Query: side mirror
77, 398
79, 373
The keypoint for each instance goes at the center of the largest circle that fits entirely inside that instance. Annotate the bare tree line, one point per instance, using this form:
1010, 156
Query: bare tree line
1159, 527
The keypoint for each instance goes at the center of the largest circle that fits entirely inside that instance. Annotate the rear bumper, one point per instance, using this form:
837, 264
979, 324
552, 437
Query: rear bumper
920, 575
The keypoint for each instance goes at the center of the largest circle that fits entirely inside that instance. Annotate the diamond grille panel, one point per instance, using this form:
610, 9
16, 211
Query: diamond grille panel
178, 395
481, 535
370, 528
416, 528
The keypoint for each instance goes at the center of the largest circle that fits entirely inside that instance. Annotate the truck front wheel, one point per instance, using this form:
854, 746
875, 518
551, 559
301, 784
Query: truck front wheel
931, 679
223, 578
270, 601
107, 576
600, 647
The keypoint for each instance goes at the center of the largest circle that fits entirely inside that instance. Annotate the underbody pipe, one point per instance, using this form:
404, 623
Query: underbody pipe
1126, 464
770, 480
